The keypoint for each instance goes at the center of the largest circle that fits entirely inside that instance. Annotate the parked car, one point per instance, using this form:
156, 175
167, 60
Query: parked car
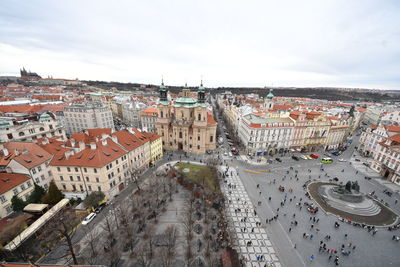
99, 208
308, 157
230, 154
89, 218
342, 160
366, 164
278, 159
295, 158
315, 156
209, 151
336, 153
303, 157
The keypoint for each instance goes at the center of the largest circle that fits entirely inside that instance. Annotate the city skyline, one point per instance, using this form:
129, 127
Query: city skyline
334, 43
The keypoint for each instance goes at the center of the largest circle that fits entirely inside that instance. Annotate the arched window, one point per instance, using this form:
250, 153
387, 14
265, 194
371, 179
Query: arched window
41, 129
199, 117
162, 113
21, 134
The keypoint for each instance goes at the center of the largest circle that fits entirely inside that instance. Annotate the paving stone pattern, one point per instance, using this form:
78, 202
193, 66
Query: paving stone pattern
246, 219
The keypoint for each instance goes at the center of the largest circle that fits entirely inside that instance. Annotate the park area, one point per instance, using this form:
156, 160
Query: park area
201, 175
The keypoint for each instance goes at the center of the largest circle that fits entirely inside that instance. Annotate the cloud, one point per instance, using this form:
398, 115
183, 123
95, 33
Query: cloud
230, 43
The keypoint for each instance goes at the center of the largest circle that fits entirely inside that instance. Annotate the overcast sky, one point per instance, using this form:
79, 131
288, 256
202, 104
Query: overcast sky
229, 43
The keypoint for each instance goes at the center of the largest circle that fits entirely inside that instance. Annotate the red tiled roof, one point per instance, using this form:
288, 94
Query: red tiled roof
30, 154
150, 112
98, 157
151, 136
392, 128
20, 108
127, 140
210, 119
395, 138
10, 180
98, 132
282, 107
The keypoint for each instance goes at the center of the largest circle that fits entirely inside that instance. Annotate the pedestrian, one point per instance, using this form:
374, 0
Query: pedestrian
312, 258
345, 235
295, 246
311, 236
290, 229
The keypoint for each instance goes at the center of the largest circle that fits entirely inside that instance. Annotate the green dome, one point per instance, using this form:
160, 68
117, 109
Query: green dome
45, 117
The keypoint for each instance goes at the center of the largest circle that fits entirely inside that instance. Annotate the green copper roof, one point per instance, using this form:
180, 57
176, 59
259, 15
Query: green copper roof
44, 116
186, 100
4, 124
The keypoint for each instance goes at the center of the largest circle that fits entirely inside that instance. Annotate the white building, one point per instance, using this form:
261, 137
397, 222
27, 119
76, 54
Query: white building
391, 118
30, 159
45, 125
265, 135
87, 115
131, 113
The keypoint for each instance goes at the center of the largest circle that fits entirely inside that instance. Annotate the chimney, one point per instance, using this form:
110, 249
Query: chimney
5, 152
93, 146
115, 139
130, 130
16, 152
82, 146
104, 142
104, 136
72, 142
45, 141
68, 153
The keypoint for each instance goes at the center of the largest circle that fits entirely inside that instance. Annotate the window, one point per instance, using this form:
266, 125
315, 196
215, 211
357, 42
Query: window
90, 188
3, 199
71, 178
84, 169
68, 169
211, 138
81, 187
39, 168
198, 147
199, 117
29, 184
15, 191
22, 187
99, 188
95, 170
87, 179
111, 185
42, 176
73, 187
64, 186
97, 179
76, 169
78, 177
198, 138
117, 161
49, 173
37, 180
8, 209
61, 178
33, 171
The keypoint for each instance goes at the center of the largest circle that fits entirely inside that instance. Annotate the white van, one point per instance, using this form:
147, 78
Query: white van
89, 218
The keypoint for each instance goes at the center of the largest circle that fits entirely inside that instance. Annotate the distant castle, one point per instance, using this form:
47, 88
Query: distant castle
29, 74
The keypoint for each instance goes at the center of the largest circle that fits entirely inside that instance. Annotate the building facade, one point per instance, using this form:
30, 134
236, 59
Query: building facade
31, 128
87, 115
148, 118
186, 124
29, 159
265, 136
12, 184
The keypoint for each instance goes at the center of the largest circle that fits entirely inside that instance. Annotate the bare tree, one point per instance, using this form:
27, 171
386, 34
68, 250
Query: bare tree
91, 243
168, 251
188, 223
134, 173
64, 224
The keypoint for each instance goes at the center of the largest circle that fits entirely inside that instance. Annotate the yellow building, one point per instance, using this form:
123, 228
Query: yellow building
186, 124
156, 147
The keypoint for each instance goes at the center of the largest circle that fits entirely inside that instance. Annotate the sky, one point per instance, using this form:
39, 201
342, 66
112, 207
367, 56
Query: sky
337, 43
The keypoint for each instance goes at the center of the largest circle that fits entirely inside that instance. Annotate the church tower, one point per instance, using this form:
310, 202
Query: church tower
269, 103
